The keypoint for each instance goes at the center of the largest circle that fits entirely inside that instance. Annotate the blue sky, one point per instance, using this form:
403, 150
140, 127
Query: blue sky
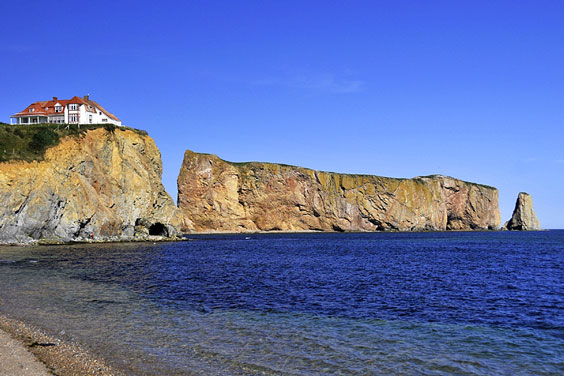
471, 89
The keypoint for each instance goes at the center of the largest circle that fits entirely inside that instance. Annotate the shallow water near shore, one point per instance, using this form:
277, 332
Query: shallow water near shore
481, 303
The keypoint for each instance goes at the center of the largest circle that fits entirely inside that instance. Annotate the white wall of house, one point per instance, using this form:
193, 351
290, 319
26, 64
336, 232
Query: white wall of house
73, 116
84, 116
95, 117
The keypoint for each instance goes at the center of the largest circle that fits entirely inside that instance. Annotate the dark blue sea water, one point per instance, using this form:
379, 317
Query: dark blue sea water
474, 303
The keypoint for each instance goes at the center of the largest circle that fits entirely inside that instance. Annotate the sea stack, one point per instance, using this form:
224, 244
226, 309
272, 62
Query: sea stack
524, 217
217, 195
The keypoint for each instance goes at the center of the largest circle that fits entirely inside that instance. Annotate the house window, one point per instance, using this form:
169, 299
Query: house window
58, 109
104, 120
73, 118
31, 109
57, 119
73, 107
90, 119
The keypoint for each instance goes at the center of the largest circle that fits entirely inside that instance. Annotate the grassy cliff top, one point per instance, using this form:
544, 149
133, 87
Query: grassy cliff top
418, 178
28, 142
467, 182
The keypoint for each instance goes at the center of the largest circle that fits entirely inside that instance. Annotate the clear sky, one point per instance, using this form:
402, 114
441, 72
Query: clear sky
471, 89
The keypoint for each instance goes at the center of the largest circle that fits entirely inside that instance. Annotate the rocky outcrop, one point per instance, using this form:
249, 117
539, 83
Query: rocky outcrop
217, 195
100, 185
524, 217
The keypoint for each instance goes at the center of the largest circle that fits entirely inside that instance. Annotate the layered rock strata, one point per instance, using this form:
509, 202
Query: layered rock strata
100, 185
217, 195
524, 217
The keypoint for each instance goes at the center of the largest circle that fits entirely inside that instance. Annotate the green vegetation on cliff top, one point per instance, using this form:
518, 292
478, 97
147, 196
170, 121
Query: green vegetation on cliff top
467, 182
418, 179
29, 142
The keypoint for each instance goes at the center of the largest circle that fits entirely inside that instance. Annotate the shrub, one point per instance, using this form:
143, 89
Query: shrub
29, 142
43, 139
110, 127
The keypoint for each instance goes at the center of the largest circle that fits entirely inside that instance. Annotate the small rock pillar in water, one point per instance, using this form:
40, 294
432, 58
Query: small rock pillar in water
524, 217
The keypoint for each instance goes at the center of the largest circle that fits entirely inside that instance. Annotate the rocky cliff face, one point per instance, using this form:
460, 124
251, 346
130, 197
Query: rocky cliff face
105, 184
237, 197
524, 217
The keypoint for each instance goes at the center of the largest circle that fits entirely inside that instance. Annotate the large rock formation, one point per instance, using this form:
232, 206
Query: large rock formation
217, 195
524, 217
101, 184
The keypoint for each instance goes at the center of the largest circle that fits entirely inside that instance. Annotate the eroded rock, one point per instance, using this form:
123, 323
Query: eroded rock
524, 217
217, 195
103, 185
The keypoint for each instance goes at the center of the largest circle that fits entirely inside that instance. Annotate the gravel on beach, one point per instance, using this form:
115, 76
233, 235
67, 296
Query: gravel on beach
15, 359
53, 356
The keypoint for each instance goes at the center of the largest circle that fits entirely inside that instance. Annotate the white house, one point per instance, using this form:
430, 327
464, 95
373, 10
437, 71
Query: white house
65, 111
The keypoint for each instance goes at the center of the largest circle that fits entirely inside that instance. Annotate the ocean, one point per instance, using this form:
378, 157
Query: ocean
465, 303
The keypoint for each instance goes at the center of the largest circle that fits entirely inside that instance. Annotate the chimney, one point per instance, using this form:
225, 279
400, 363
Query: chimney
87, 97
55, 99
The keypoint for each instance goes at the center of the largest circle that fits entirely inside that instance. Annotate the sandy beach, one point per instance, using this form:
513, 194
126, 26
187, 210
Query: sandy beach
31, 352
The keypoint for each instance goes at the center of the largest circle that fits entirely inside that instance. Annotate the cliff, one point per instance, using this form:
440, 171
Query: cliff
524, 217
217, 195
103, 184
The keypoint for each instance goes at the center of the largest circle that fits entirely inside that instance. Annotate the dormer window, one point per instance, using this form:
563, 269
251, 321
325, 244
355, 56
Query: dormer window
73, 107
31, 109
58, 109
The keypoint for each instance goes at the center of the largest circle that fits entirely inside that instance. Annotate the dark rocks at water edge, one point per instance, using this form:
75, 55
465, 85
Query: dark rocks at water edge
524, 217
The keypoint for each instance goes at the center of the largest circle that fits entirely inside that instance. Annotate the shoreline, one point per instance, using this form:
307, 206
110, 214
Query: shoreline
42, 242
186, 236
139, 331
217, 232
61, 358
15, 359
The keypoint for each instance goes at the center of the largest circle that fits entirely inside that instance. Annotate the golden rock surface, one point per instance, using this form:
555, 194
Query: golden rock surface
217, 195
100, 185
524, 217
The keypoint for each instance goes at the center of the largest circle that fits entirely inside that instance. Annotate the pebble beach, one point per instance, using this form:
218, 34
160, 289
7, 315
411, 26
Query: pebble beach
28, 351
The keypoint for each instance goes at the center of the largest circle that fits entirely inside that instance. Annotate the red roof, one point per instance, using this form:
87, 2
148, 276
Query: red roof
46, 108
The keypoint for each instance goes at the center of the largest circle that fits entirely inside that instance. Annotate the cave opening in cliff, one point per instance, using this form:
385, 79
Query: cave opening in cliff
337, 228
158, 229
